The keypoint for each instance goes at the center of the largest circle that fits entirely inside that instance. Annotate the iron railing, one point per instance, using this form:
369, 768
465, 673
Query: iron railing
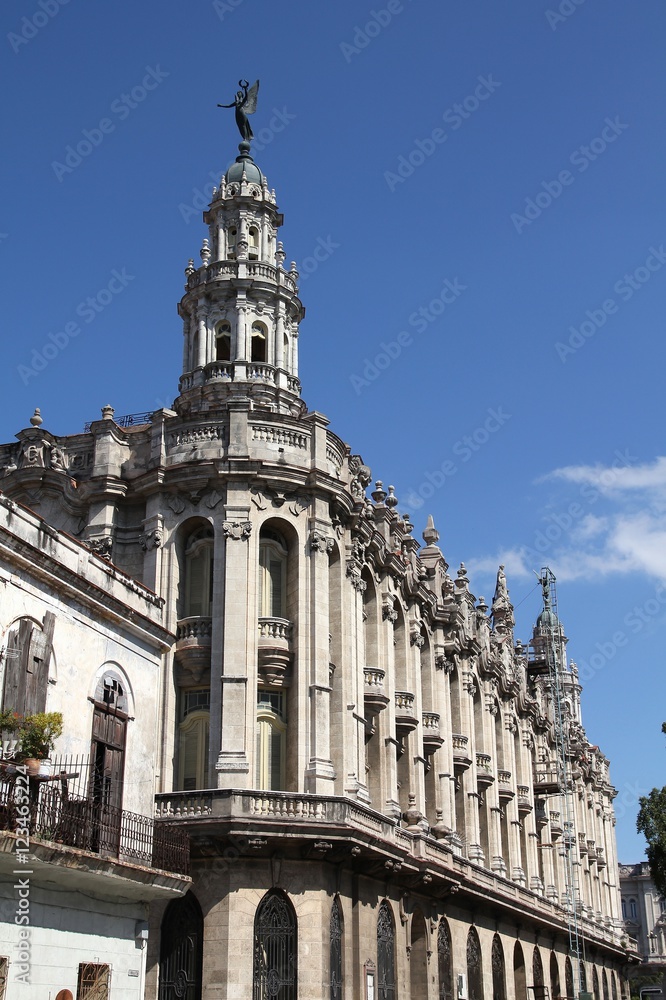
92, 826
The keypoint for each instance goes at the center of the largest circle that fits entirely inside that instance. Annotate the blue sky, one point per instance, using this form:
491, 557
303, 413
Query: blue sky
484, 191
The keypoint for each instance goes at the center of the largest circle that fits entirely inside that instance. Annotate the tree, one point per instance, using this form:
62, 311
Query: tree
652, 823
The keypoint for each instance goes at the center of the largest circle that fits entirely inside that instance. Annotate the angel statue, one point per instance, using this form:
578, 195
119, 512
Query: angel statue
245, 103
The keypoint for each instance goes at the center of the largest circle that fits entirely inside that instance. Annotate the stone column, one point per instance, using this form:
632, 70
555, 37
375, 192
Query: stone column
319, 774
202, 344
445, 776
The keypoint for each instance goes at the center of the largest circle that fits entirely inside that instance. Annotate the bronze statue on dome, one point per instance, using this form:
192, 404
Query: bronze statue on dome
245, 103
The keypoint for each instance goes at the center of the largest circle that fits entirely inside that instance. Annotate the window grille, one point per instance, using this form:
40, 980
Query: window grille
93, 982
336, 951
275, 959
385, 953
444, 961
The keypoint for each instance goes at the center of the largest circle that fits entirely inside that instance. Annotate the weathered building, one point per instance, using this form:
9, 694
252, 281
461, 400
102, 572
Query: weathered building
644, 915
383, 795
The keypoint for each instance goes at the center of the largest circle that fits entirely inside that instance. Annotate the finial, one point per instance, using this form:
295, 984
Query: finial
293, 270
107, 412
204, 253
482, 606
431, 534
409, 527
245, 103
280, 255
391, 500
190, 267
379, 493
36, 418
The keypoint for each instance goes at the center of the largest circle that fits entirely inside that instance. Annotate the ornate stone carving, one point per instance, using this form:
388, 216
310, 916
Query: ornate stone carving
212, 499
151, 539
176, 503
102, 546
320, 542
237, 529
361, 476
389, 612
354, 574
415, 636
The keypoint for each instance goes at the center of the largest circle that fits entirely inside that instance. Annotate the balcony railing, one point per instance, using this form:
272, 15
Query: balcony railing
374, 696
91, 826
461, 758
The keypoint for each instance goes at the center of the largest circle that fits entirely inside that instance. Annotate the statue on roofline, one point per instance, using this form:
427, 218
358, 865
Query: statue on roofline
245, 103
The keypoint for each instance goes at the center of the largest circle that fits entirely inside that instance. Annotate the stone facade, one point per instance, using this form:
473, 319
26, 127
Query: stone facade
644, 914
365, 758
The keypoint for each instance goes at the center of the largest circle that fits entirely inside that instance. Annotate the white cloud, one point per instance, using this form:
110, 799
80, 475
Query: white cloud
628, 536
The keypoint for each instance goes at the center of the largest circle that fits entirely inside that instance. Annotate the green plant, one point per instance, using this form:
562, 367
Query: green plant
9, 721
37, 734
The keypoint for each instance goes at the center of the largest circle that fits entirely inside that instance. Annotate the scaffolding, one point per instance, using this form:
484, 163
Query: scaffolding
548, 659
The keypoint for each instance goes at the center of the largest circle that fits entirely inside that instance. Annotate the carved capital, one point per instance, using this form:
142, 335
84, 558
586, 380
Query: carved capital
102, 546
151, 539
389, 613
354, 574
237, 530
320, 542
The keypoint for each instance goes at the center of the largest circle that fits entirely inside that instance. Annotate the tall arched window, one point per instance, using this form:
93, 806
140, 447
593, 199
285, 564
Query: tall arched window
259, 343
193, 739
272, 575
253, 243
271, 740
582, 973
613, 986
232, 236
418, 958
335, 957
474, 966
181, 950
444, 962
632, 909
604, 984
223, 342
499, 978
385, 953
199, 573
624, 909
568, 977
595, 983
275, 967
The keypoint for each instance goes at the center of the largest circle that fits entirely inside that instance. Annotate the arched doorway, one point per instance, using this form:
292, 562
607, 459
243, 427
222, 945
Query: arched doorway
555, 988
474, 966
537, 975
275, 973
568, 977
181, 950
444, 963
385, 953
499, 977
519, 978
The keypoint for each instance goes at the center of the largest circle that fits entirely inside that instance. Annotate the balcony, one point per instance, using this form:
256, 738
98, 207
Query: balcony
274, 650
546, 778
374, 697
193, 644
432, 740
405, 720
89, 826
555, 823
505, 791
461, 758
484, 771
524, 804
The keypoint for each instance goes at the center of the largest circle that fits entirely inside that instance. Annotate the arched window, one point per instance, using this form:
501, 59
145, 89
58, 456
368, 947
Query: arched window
181, 950
335, 958
286, 360
253, 241
604, 984
444, 962
199, 573
231, 243
499, 978
271, 740
624, 909
27, 656
193, 739
474, 966
223, 342
385, 953
582, 973
632, 908
275, 968
272, 575
259, 343
595, 983
613, 986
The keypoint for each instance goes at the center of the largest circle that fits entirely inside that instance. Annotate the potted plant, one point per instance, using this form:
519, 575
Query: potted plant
37, 736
